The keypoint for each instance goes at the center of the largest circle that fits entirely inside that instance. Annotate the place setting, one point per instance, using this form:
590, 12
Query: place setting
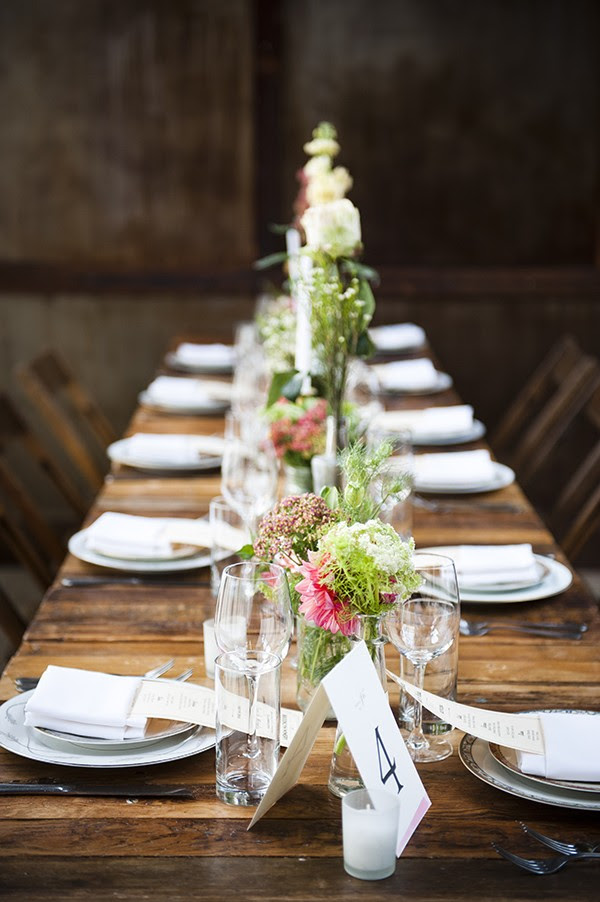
411, 377
186, 395
168, 453
150, 544
83, 718
505, 574
397, 338
191, 357
460, 472
432, 426
566, 775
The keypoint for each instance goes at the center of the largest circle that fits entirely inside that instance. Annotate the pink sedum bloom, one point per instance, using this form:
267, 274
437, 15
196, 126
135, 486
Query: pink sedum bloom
319, 604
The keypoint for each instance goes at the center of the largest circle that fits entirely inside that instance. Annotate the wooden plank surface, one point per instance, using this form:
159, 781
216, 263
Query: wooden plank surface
59, 848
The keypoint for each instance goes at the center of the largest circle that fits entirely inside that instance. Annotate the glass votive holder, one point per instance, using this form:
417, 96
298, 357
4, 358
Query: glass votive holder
247, 694
370, 820
211, 649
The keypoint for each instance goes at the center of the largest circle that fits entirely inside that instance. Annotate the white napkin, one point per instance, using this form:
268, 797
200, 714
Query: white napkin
179, 390
86, 703
172, 449
407, 375
211, 355
432, 422
572, 744
130, 537
483, 565
460, 469
397, 337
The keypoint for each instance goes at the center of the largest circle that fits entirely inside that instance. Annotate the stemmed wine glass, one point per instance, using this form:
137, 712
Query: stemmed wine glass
423, 627
253, 620
249, 480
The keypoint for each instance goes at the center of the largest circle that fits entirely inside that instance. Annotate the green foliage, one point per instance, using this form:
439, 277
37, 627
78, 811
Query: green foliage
362, 468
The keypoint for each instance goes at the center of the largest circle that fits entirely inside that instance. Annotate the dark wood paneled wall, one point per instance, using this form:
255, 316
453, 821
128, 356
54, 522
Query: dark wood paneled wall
127, 132
145, 146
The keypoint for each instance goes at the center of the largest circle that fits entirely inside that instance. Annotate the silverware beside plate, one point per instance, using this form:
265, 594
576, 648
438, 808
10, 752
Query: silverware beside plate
116, 790
82, 581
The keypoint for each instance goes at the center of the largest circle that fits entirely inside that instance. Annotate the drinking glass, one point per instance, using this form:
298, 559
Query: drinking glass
249, 479
228, 533
395, 509
253, 620
423, 627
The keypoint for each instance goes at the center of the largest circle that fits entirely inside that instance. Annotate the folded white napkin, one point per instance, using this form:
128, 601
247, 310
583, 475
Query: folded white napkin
397, 337
179, 390
130, 538
483, 565
432, 422
460, 469
198, 354
172, 449
407, 375
86, 703
571, 743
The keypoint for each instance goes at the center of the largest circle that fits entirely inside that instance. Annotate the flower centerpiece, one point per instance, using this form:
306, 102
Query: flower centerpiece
297, 431
332, 294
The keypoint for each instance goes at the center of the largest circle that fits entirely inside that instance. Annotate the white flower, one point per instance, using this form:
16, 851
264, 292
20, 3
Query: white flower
317, 166
327, 186
317, 146
333, 227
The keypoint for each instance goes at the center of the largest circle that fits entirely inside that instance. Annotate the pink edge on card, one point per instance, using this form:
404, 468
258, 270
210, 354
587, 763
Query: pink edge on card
418, 817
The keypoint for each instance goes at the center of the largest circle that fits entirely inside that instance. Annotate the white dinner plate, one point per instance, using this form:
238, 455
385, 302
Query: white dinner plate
476, 756
120, 453
184, 366
443, 381
557, 579
502, 476
206, 406
508, 759
476, 432
22, 740
157, 731
79, 549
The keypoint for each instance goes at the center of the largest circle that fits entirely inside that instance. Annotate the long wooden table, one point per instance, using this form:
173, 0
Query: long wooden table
72, 848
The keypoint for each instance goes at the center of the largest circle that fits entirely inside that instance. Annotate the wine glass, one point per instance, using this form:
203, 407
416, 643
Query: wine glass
254, 615
422, 627
249, 479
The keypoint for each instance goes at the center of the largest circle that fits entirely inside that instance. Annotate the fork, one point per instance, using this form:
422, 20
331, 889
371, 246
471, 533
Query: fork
23, 683
541, 866
443, 506
550, 631
565, 848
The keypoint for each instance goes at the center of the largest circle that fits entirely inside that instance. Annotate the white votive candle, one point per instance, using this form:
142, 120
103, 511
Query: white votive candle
211, 649
370, 831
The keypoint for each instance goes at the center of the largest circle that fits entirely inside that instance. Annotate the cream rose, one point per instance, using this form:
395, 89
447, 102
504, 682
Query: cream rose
317, 146
317, 166
333, 227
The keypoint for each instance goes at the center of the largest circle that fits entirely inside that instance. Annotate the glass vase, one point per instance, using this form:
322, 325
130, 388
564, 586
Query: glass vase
297, 480
318, 651
344, 775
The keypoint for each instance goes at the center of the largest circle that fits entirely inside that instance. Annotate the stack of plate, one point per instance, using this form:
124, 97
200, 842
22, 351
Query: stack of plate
166, 741
497, 766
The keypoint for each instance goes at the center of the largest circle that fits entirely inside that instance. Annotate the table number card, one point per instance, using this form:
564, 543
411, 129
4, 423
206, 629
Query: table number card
355, 693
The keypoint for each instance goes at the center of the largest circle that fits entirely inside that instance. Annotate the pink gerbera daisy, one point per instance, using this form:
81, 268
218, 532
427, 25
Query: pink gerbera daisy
318, 603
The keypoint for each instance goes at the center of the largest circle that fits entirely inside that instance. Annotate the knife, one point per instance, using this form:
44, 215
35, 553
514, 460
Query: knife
81, 581
124, 790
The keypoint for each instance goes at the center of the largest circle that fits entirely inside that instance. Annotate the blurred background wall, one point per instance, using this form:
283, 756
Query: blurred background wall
146, 146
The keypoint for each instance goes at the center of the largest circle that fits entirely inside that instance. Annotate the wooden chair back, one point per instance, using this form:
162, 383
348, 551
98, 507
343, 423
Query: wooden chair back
25, 544
11, 623
73, 416
544, 409
576, 515
15, 431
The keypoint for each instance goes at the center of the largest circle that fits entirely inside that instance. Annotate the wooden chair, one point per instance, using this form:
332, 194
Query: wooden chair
15, 431
11, 623
543, 411
576, 514
76, 420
